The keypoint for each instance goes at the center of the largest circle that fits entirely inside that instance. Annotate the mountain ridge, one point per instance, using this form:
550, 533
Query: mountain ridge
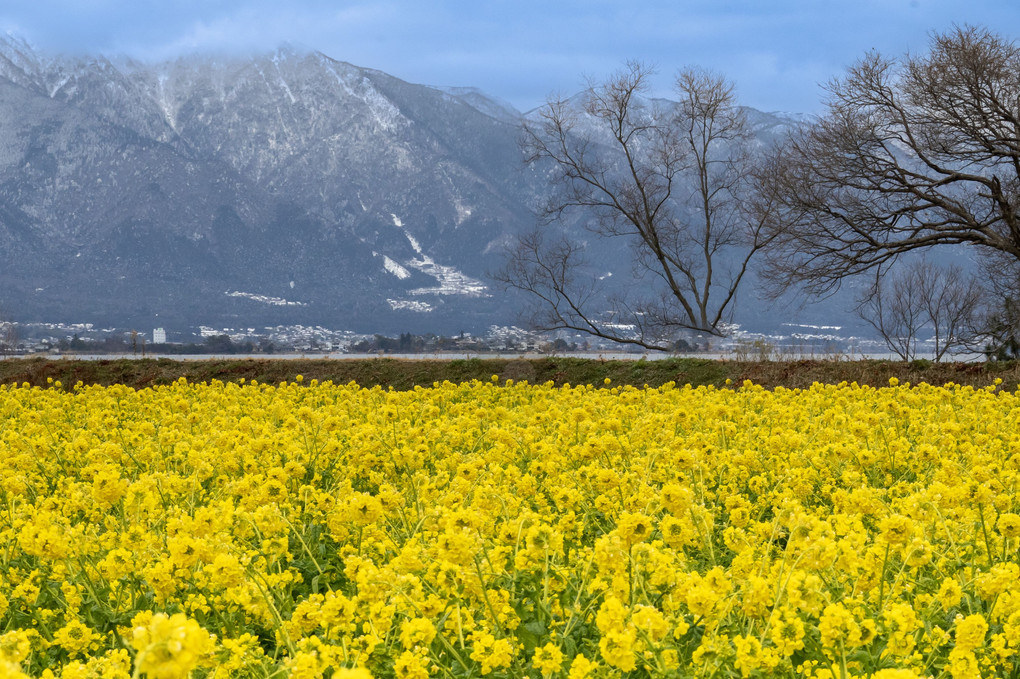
192, 191
293, 160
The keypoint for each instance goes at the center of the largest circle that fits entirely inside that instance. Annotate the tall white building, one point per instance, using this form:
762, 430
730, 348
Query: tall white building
159, 336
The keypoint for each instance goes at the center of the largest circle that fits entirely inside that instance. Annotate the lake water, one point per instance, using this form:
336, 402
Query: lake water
451, 356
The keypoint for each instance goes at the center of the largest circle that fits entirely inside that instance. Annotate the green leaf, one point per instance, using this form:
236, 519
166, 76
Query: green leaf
530, 633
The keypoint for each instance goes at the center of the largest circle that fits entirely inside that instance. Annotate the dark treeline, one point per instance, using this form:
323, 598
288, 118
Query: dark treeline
117, 344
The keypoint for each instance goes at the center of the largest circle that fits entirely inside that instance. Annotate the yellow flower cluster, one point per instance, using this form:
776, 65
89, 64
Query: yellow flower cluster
509, 530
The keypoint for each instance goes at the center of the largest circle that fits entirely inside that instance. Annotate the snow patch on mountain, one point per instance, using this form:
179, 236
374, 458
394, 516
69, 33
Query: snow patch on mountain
283, 82
383, 111
451, 281
22, 56
163, 99
393, 267
397, 222
494, 107
463, 211
56, 86
409, 305
265, 299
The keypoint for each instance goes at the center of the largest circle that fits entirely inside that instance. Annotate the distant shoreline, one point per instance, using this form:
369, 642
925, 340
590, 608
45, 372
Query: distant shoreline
778, 356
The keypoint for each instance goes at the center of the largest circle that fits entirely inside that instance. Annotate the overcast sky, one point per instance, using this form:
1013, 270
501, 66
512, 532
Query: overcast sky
777, 52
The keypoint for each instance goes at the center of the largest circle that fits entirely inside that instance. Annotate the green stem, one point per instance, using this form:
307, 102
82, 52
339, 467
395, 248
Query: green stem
485, 595
881, 583
304, 546
453, 650
630, 575
276, 614
984, 531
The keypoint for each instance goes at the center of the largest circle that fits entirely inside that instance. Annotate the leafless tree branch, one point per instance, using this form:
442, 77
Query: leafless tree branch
670, 180
913, 153
920, 297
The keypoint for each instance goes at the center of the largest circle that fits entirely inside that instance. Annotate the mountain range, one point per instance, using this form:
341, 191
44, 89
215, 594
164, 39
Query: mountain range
282, 188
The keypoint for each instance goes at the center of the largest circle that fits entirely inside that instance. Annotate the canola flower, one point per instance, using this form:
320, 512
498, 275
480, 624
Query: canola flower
514, 530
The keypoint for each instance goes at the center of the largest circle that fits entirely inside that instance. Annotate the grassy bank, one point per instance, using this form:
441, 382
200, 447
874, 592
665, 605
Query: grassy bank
406, 374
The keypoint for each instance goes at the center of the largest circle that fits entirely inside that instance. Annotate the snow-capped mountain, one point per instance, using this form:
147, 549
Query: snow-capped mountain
286, 187
204, 186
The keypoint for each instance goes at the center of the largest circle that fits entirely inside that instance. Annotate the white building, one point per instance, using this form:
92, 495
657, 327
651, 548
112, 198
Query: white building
159, 336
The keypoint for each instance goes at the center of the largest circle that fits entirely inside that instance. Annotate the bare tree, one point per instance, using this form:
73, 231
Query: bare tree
911, 154
892, 309
920, 296
1000, 321
668, 179
8, 336
1002, 330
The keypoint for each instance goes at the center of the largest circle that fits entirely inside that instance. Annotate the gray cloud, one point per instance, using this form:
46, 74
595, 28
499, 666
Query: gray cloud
776, 52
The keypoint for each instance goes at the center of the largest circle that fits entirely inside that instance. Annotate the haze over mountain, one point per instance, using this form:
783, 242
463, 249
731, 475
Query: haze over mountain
283, 188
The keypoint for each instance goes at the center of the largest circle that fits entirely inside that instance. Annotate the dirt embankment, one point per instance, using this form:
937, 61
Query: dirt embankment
406, 374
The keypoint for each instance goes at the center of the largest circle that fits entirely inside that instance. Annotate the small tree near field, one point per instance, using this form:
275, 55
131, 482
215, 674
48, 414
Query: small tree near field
922, 298
669, 181
1000, 323
8, 335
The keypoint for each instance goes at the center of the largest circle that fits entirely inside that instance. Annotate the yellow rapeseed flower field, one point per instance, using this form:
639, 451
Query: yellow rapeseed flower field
509, 530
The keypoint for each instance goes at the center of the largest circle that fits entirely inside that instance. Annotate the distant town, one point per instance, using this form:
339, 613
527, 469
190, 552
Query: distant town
87, 339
